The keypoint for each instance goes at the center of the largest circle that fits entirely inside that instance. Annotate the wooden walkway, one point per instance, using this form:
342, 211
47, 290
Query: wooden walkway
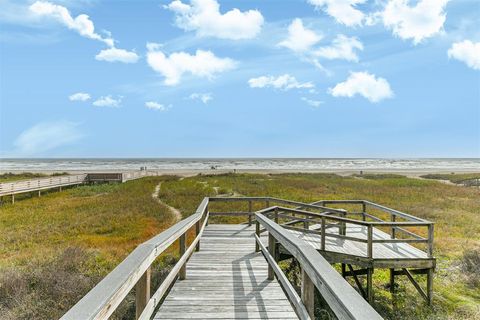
38, 185
382, 253
233, 271
227, 279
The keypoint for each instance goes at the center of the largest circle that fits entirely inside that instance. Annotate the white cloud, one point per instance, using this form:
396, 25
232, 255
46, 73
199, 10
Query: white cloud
312, 103
81, 23
108, 101
342, 47
364, 84
203, 64
304, 42
79, 96
204, 17
344, 11
117, 55
157, 106
46, 136
418, 22
204, 97
467, 52
283, 82
300, 39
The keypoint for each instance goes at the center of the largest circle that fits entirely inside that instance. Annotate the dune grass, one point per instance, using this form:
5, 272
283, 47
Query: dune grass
75, 237
453, 177
10, 177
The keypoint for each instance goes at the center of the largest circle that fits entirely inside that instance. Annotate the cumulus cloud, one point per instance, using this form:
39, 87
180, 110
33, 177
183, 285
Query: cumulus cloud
157, 106
203, 64
117, 55
204, 17
342, 47
305, 43
108, 101
46, 136
467, 52
312, 103
283, 82
81, 23
79, 96
300, 39
417, 22
344, 11
365, 84
204, 97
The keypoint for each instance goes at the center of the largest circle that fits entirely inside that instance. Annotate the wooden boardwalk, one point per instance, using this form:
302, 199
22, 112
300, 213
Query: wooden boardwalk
381, 253
233, 272
39, 184
227, 279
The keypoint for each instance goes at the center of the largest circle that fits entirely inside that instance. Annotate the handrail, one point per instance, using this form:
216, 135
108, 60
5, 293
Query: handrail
105, 297
277, 200
369, 224
374, 205
292, 295
7, 188
342, 298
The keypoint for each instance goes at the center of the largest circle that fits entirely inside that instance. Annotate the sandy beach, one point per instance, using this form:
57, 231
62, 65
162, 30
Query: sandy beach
194, 172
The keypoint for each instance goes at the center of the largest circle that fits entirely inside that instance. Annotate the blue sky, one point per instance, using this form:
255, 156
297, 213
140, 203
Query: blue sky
206, 78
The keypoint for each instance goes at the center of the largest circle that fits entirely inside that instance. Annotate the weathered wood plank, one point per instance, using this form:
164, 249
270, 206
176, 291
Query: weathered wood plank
227, 279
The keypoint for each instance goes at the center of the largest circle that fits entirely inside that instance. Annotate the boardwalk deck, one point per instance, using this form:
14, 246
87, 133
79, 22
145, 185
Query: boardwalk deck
382, 252
226, 279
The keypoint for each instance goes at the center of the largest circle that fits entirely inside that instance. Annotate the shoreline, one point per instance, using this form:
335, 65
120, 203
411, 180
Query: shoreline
193, 172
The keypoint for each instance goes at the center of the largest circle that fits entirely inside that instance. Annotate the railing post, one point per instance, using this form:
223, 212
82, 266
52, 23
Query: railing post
142, 289
364, 210
272, 251
430, 271
430, 286
308, 294
370, 285
197, 231
343, 230
393, 219
369, 241
430, 240
182, 275
276, 215
257, 232
392, 280
323, 234
249, 213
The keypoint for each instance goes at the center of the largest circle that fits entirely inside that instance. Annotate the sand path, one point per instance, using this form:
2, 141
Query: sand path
175, 212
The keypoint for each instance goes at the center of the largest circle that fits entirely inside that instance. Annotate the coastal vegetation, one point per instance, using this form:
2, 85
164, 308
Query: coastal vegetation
468, 179
56, 247
9, 176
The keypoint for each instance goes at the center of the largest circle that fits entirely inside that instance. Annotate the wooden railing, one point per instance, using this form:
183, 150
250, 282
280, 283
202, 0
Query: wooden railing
342, 299
8, 188
327, 222
31, 185
104, 298
393, 224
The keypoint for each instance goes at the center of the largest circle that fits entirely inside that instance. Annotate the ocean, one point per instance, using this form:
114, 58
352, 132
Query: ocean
288, 164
